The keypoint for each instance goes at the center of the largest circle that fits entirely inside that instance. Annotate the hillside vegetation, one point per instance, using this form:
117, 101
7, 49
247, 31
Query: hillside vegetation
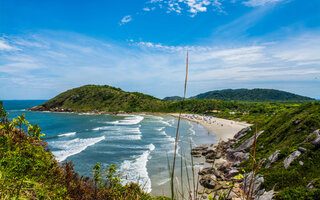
254, 95
103, 98
92, 98
288, 132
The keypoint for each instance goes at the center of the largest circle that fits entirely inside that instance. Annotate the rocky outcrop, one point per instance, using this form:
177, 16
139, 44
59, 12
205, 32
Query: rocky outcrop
223, 168
296, 122
273, 158
246, 145
205, 171
316, 141
255, 184
266, 195
315, 138
242, 133
208, 181
294, 155
197, 151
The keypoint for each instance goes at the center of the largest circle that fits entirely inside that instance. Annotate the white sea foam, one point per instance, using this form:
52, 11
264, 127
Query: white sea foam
114, 128
171, 139
72, 147
167, 123
192, 130
67, 134
162, 182
16, 110
125, 137
131, 120
136, 170
160, 129
156, 117
151, 147
119, 129
114, 122
88, 114
131, 130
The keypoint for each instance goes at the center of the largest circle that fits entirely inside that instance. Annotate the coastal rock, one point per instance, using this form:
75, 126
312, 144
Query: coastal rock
238, 156
296, 122
209, 151
257, 182
225, 167
246, 145
311, 186
219, 162
210, 160
205, 171
315, 133
219, 155
208, 181
236, 164
303, 150
316, 142
197, 151
232, 173
242, 133
266, 195
291, 158
273, 158
211, 155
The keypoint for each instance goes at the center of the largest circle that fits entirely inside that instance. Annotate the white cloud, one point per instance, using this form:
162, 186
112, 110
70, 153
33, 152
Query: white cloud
126, 19
4, 46
154, 68
255, 3
192, 6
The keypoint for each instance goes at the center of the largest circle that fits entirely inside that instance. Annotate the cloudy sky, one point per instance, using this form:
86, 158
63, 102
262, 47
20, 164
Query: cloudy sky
47, 47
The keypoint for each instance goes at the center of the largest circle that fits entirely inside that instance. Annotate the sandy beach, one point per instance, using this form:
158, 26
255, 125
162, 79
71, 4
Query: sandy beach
224, 129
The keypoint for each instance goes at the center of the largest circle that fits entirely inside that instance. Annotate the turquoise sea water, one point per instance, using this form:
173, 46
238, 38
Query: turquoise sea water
138, 144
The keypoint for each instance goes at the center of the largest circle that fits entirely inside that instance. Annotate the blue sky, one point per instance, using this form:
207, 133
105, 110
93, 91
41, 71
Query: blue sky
47, 47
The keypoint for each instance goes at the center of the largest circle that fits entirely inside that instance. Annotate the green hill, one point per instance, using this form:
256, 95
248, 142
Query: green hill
258, 95
173, 98
102, 98
288, 132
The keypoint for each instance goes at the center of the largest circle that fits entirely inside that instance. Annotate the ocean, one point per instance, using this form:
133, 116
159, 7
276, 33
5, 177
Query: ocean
140, 145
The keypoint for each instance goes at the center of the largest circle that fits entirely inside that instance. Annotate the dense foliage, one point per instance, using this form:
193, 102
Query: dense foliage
104, 98
28, 170
256, 95
173, 98
286, 132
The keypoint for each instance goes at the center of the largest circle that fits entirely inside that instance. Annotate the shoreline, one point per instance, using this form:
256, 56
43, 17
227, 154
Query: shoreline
224, 129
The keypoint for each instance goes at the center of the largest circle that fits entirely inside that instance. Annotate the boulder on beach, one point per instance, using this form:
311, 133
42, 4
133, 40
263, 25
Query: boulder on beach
208, 181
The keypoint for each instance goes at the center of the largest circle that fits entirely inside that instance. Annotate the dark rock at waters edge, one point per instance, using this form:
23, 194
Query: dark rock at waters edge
208, 181
224, 163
